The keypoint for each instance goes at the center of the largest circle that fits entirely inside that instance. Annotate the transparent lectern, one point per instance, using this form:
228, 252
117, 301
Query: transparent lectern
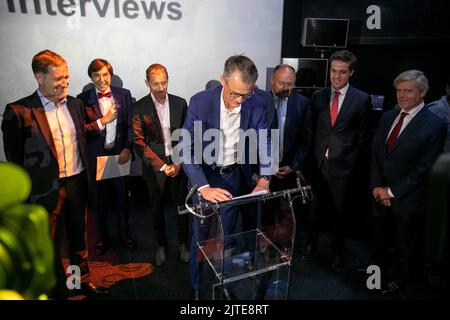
253, 264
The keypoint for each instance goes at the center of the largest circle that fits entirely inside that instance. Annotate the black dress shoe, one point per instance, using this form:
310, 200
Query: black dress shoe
90, 289
128, 242
101, 248
393, 287
338, 264
306, 253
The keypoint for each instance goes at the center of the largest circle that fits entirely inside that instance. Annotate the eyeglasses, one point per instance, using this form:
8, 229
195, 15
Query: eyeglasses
286, 84
235, 95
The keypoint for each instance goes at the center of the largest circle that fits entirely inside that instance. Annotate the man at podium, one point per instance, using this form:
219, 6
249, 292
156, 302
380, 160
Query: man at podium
230, 110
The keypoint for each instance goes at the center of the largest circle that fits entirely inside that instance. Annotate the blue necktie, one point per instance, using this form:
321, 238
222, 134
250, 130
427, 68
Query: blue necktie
281, 114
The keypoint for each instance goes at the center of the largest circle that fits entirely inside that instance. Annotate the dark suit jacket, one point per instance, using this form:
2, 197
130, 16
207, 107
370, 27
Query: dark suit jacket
148, 137
28, 142
205, 108
405, 168
297, 132
349, 133
95, 138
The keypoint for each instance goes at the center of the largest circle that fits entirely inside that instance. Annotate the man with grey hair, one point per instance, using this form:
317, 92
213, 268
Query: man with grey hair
230, 108
405, 146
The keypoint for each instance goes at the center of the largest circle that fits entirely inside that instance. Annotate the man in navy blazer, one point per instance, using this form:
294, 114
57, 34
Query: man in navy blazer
108, 132
291, 115
222, 174
406, 144
340, 116
45, 134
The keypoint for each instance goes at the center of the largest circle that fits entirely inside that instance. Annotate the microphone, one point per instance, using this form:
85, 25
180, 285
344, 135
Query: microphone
191, 192
299, 179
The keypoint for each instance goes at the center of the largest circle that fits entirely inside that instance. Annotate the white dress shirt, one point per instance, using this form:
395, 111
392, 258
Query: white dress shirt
64, 137
341, 96
163, 112
411, 114
230, 122
105, 105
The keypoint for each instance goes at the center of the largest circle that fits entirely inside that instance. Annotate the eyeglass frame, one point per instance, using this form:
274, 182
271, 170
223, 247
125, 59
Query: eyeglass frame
240, 95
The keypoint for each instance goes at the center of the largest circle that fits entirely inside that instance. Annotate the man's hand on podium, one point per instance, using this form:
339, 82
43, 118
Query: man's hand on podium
262, 184
215, 194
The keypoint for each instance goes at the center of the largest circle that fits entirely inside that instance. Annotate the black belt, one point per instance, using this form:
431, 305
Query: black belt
65, 180
226, 169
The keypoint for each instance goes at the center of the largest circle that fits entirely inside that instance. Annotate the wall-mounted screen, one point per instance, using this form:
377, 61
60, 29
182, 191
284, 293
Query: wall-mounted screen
325, 32
310, 72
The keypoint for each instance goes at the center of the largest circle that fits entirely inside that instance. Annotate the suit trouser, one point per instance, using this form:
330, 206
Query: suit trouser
201, 227
70, 213
110, 194
403, 229
160, 201
330, 200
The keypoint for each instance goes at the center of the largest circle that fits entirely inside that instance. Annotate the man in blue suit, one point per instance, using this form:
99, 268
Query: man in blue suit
108, 132
291, 115
340, 116
406, 144
229, 108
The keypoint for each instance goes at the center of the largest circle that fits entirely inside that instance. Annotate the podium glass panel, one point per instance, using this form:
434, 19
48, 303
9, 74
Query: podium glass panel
261, 272
252, 264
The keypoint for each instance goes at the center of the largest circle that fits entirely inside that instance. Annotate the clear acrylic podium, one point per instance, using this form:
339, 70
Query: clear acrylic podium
254, 264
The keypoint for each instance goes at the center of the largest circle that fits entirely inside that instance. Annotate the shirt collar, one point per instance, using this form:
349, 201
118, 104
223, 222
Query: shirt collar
415, 110
342, 91
224, 109
276, 99
49, 105
157, 103
106, 91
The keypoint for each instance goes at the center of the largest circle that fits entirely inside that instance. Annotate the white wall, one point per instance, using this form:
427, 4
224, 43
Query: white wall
192, 38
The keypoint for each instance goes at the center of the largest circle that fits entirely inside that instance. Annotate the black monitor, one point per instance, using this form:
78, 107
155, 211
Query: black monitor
324, 32
311, 72
377, 102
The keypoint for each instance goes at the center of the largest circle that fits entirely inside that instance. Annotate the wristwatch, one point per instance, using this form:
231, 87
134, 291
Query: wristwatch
268, 178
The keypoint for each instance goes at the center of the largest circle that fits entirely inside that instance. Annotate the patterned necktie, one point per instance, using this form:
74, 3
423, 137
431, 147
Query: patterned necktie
334, 107
103, 95
394, 133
